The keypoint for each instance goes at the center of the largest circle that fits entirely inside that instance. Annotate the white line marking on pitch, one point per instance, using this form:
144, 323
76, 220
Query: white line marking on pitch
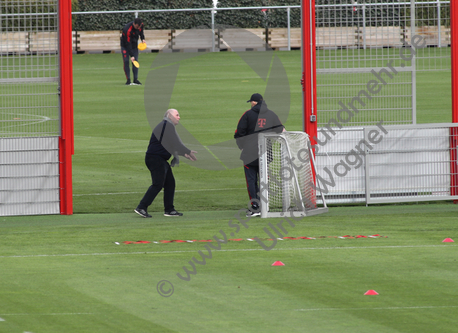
106, 138
228, 250
46, 314
385, 308
1, 319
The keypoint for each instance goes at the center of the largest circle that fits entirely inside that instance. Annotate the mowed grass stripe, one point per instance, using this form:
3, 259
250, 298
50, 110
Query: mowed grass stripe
385, 308
230, 250
196, 190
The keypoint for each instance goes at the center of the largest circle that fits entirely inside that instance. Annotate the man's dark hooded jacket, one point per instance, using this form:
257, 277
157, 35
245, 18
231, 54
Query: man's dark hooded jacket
254, 121
129, 37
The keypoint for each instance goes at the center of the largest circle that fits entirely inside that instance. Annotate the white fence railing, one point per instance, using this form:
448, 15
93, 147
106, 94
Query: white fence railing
386, 164
362, 8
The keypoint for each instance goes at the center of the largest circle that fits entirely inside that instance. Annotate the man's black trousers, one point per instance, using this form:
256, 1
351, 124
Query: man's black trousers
126, 61
252, 175
162, 178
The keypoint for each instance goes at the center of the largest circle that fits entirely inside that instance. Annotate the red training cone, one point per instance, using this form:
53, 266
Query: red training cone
278, 263
448, 240
371, 292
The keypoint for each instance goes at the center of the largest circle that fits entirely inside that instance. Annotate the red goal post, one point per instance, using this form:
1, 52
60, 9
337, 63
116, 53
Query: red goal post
66, 142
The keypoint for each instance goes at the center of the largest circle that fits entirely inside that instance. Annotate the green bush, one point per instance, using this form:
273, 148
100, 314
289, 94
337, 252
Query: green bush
254, 18
36, 23
183, 20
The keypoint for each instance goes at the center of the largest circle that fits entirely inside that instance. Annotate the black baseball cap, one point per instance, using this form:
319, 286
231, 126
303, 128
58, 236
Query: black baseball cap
255, 98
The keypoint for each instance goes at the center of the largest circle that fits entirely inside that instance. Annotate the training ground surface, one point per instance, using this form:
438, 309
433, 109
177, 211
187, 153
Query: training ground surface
67, 274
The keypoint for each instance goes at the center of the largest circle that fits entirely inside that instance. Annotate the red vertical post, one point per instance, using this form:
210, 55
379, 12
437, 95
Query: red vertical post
309, 69
66, 147
454, 130
308, 81
454, 54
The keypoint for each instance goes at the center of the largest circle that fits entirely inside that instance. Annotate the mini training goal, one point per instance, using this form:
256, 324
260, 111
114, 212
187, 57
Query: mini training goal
287, 169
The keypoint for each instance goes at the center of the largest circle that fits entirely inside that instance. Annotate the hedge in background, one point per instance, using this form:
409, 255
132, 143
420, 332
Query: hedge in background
34, 23
387, 15
391, 15
183, 20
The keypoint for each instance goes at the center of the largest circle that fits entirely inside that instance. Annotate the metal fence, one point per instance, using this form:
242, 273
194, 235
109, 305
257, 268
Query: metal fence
212, 12
350, 54
359, 18
352, 41
388, 42
29, 109
383, 164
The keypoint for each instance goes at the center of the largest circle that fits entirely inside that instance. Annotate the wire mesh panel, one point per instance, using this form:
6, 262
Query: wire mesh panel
368, 51
345, 100
357, 43
29, 107
432, 23
286, 183
29, 68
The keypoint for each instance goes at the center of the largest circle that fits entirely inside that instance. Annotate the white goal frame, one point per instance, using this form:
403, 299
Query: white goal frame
298, 190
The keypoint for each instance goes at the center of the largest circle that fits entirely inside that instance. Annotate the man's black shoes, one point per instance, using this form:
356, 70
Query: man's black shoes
173, 213
142, 212
255, 210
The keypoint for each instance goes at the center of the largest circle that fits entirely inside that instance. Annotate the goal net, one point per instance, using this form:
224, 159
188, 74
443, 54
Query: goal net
286, 167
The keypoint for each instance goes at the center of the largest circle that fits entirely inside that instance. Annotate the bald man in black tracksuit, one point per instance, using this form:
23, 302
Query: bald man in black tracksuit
164, 143
129, 41
258, 119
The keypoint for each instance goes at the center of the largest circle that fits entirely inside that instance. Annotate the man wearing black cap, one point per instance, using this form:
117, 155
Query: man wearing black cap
258, 119
129, 40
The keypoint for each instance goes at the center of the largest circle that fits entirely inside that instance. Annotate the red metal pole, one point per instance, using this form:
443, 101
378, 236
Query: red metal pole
454, 131
309, 68
454, 51
66, 146
308, 81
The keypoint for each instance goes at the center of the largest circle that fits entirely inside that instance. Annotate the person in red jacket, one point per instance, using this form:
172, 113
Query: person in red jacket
257, 119
129, 40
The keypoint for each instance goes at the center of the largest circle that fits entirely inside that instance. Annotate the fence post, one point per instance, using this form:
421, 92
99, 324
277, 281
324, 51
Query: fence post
367, 178
288, 14
439, 44
364, 25
413, 63
213, 30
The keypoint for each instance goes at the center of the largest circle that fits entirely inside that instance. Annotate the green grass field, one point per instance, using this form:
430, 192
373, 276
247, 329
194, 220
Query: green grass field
68, 274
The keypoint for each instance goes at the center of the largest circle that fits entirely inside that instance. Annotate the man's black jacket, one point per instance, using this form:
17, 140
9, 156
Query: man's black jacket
258, 119
165, 142
129, 37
